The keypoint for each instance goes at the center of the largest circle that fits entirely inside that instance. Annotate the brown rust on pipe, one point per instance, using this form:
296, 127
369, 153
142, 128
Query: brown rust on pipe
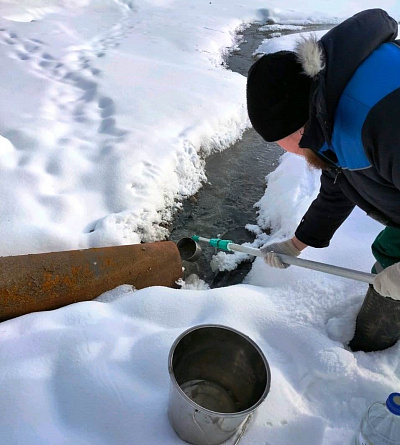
45, 281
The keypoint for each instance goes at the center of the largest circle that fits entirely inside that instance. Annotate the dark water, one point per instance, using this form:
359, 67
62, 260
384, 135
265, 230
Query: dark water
225, 204
236, 181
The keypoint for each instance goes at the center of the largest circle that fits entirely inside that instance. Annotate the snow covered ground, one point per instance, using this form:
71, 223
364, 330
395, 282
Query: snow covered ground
107, 110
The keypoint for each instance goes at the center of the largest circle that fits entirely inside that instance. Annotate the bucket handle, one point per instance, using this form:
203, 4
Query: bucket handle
198, 425
240, 434
243, 428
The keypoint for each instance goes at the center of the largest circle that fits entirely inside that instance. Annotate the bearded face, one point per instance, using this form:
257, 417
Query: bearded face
313, 161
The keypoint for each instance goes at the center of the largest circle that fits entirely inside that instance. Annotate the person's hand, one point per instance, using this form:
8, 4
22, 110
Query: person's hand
286, 247
387, 282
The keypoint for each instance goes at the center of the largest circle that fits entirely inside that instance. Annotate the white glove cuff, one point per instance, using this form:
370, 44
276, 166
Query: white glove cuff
387, 282
290, 249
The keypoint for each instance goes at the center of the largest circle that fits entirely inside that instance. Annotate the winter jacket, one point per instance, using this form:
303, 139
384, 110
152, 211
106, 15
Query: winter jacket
354, 123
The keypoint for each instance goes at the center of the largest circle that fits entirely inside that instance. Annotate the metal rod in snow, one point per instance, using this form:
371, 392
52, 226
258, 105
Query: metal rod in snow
307, 264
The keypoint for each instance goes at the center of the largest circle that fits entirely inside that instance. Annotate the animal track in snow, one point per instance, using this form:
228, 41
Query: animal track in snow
150, 170
73, 100
107, 108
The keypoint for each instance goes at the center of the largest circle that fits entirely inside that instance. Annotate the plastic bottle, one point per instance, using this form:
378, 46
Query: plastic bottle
381, 423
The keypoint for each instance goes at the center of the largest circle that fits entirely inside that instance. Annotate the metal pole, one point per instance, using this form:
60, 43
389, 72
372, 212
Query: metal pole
307, 264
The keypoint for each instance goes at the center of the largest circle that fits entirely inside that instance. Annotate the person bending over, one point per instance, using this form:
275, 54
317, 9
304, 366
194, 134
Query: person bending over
336, 101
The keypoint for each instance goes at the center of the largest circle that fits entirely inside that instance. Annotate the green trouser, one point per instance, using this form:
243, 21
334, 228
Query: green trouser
378, 322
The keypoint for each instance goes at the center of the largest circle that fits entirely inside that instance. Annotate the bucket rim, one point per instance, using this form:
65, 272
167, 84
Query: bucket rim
201, 408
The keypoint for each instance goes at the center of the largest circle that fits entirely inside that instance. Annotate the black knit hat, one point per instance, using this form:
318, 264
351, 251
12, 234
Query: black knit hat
277, 95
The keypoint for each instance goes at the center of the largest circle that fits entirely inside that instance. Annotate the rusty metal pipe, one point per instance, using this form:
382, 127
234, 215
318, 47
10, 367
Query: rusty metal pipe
45, 281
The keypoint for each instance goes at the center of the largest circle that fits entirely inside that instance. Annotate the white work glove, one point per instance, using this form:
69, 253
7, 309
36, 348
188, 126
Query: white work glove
286, 247
387, 282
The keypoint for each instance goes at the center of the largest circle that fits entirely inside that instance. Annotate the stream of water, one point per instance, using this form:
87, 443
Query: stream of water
236, 181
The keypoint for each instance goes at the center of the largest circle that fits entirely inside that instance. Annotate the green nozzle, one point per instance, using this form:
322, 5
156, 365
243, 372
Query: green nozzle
222, 244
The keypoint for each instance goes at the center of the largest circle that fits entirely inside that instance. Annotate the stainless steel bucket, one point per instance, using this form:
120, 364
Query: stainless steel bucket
219, 377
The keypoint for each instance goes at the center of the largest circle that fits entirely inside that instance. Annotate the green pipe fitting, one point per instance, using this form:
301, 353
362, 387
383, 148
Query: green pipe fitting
222, 244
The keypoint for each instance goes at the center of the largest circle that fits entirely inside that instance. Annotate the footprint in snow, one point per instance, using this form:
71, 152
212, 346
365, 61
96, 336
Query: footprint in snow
107, 107
332, 363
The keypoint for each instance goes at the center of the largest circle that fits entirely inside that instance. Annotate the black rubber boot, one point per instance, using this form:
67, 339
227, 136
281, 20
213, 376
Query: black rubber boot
378, 323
